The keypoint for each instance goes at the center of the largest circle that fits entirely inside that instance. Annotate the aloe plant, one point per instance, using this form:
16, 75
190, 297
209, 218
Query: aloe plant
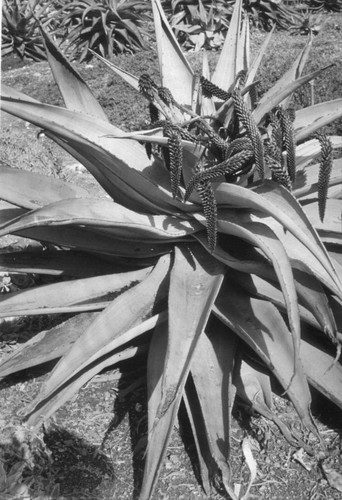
199, 24
325, 5
211, 252
108, 27
19, 31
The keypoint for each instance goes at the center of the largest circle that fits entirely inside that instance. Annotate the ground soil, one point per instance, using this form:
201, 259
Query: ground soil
93, 447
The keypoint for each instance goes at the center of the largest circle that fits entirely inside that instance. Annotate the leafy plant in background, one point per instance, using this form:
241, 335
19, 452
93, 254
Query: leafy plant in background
326, 5
199, 24
108, 27
211, 253
11, 485
203, 23
266, 13
20, 33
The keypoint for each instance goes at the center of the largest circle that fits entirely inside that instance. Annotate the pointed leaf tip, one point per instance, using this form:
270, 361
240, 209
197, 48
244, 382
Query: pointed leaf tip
176, 73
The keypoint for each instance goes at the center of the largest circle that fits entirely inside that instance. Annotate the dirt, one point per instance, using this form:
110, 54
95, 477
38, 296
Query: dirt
93, 447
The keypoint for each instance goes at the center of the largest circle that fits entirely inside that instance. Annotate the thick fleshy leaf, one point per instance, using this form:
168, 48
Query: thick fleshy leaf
300, 225
309, 150
257, 286
255, 263
125, 75
58, 263
296, 70
313, 308
275, 201
74, 90
207, 103
309, 120
332, 222
332, 238
116, 325
48, 407
254, 388
125, 161
304, 260
307, 180
60, 297
229, 63
280, 91
47, 345
194, 283
106, 217
263, 237
212, 372
155, 136
31, 190
197, 425
262, 327
92, 241
257, 61
9, 212
322, 371
155, 368
98, 164
175, 71
314, 298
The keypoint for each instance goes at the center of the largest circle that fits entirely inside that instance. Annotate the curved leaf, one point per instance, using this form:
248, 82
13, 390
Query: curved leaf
280, 91
30, 190
75, 92
322, 371
9, 212
257, 61
118, 324
127, 161
60, 297
254, 388
125, 75
259, 287
332, 222
309, 120
261, 326
263, 237
48, 407
47, 345
255, 263
103, 216
58, 263
277, 202
300, 225
98, 163
309, 150
307, 180
91, 241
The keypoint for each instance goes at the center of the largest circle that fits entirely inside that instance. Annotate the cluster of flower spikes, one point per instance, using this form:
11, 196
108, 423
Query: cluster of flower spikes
228, 152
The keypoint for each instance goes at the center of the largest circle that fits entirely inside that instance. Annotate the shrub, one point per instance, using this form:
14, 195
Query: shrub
199, 24
265, 14
211, 253
20, 33
202, 23
107, 27
322, 5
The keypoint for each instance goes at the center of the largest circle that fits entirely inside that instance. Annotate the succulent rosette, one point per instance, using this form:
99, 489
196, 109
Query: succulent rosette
216, 250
